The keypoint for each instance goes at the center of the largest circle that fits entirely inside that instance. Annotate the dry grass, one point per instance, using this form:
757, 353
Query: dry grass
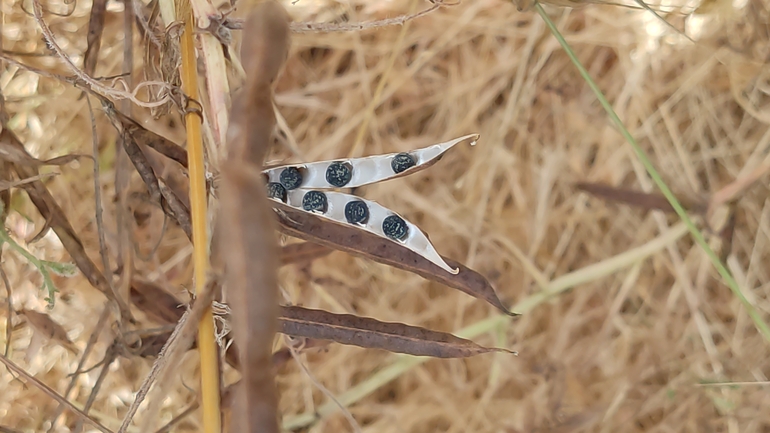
628, 351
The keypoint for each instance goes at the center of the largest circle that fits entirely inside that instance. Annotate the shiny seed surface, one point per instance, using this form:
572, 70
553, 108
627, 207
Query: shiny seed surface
291, 178
402, 162
356, 212
277, 191
339, 174
395, 227
314, 201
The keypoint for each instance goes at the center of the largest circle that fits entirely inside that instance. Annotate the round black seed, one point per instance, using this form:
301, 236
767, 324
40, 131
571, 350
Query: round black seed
339, 174
314, 201
356, 212
277, 191
401, 162
291, 178
395, 227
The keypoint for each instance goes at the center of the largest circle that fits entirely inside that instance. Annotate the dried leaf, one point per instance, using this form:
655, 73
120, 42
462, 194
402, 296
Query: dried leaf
373, 334
155, 302
311, 228
46, 326
130, 135
40, 233
142, 165
94, 37
5, 185
150, 345
19, 156
174, 207
145, 137
5, 193
302, 252
648, 201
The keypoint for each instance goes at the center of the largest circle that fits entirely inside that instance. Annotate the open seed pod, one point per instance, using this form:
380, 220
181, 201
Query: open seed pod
366, 215
301, 187
356, 172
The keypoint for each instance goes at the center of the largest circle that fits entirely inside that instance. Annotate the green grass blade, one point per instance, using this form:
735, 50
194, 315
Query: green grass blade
696, 234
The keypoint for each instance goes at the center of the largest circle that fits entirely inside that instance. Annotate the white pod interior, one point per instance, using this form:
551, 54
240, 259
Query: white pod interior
367, 170
415, 239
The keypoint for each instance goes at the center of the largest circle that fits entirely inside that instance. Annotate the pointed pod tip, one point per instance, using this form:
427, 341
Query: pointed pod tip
474, 139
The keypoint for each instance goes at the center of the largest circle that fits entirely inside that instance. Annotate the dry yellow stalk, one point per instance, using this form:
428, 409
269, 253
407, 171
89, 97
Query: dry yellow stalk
212, 422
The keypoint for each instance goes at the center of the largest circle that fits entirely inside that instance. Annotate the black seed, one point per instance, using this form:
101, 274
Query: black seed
395, 227
356, 212
291, 178
276, 190
401, 162
314, 201
339, 174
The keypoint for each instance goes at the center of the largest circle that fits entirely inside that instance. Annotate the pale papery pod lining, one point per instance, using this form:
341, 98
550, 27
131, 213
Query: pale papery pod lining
370, 169
415, 239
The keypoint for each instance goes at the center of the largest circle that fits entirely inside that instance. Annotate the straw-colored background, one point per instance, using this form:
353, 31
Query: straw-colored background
624, 351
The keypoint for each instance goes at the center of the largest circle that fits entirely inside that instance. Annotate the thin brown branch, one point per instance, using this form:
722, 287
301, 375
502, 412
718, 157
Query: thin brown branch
53, 394
84, 357
109, 357
9, 305
311, 27
98, 206
180, 341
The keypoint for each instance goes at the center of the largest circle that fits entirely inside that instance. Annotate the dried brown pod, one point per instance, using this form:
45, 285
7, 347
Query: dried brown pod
346, 238
374, 334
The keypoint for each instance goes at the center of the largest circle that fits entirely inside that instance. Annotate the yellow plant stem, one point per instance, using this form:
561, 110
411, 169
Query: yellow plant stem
212, 422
